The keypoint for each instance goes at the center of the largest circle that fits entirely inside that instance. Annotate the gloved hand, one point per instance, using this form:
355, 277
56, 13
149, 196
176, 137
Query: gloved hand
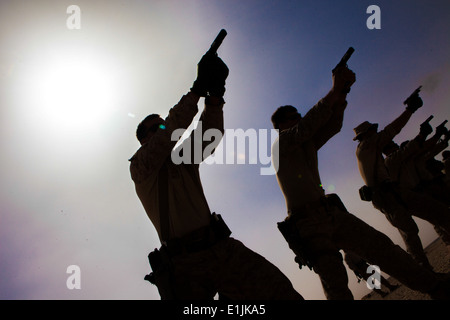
441, 130
343, 79
203, 76
414, 103
425, 129
220, 71
211, 75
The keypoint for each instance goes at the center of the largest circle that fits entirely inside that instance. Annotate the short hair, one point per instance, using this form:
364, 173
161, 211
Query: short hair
279, 116
142, 128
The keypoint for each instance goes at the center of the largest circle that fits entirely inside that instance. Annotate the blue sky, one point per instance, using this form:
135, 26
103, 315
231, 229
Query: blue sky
66, 197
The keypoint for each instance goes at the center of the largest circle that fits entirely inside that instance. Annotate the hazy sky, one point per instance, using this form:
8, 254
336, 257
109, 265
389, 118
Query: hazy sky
70, 101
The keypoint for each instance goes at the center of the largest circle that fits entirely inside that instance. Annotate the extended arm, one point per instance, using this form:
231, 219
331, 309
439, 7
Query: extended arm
343, 78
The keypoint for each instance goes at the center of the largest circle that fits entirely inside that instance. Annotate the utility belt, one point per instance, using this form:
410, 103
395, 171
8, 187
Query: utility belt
366, 192
288, 227
327, 202
161, 259
200, 239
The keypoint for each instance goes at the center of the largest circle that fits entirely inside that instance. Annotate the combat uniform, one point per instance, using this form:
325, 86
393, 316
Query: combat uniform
432, 180
202, 263
385, 196
446, 163
322, 224
359, 267
402, 169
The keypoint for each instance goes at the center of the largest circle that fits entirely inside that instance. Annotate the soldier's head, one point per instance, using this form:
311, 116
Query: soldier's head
147, 128
285, 117
365, 130
390, 147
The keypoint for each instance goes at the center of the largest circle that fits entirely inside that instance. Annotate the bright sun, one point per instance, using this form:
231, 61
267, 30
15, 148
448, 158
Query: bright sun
74, 92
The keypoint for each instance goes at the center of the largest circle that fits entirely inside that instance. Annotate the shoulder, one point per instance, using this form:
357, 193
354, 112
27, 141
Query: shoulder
139, 168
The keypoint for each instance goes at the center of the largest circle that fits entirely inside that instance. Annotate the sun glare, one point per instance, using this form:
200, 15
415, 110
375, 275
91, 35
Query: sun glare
74, 92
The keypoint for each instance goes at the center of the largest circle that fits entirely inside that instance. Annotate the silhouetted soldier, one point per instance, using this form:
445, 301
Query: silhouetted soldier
402, 167
407, 164
359, 267
319, 225
380, 188
430, 170
197, 258
446, 170
446, 163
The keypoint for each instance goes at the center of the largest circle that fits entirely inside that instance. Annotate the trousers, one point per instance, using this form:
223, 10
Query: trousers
232, 270
393, 207
326, 230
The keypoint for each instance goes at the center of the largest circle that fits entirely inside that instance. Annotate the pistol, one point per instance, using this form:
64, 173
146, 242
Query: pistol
442, 125
344, 59
416, 92
217, 42
425, 127
343, 63
427, 121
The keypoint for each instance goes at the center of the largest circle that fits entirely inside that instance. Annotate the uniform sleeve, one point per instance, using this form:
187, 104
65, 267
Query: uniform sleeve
332, 126
396, 159
150, 157
203, 140
212, 128
313, 121
411, 149
386, 135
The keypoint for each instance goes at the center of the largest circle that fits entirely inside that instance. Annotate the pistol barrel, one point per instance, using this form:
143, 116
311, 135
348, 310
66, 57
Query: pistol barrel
412, 94
347, 55
345, 58
218, 41
443, 123
429, 119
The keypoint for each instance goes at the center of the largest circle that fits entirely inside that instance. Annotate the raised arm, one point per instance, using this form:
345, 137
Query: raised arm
210, 128
343, 78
